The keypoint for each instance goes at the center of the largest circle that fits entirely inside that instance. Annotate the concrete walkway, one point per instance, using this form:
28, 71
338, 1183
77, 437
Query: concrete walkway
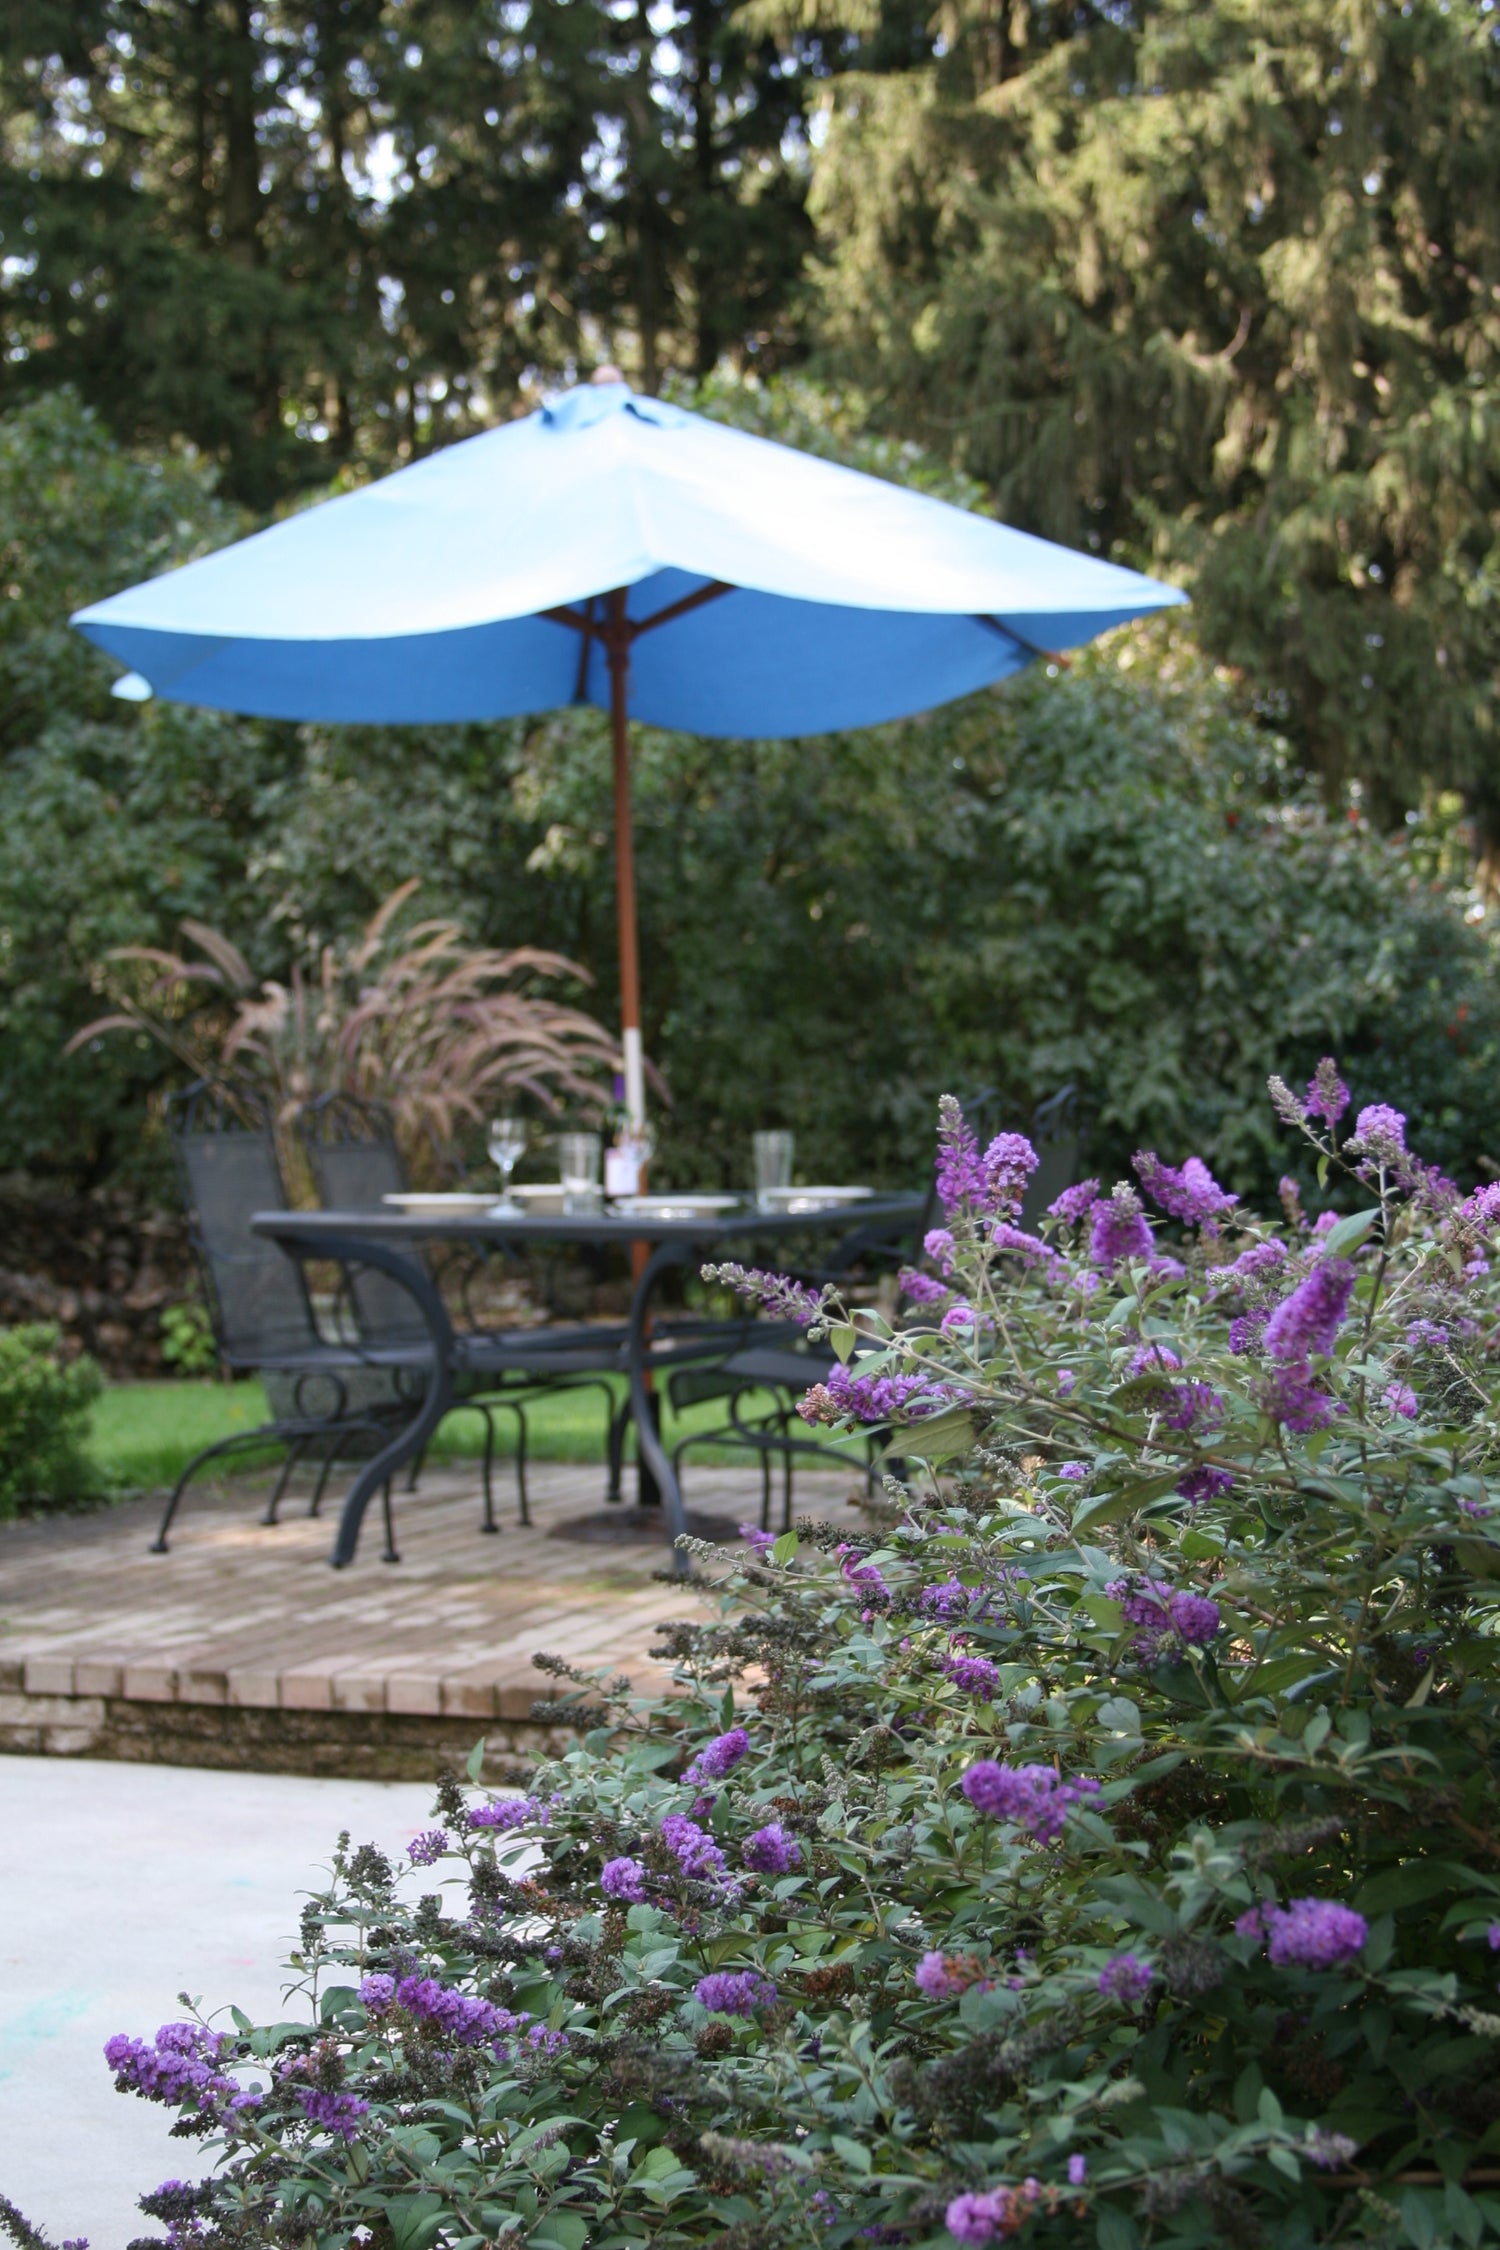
121, 1885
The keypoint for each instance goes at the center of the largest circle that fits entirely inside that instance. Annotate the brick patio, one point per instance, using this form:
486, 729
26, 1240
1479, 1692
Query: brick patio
241, 1647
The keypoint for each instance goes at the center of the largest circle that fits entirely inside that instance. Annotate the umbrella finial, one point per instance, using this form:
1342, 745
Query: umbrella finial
606, 374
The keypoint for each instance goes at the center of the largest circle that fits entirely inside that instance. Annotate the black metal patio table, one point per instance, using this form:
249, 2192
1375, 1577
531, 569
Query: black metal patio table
388, 1242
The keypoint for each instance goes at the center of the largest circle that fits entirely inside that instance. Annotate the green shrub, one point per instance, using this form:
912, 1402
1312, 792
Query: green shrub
44, 1408
1097, 1848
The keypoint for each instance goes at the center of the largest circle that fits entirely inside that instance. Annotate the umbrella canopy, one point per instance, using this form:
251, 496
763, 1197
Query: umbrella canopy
619, 551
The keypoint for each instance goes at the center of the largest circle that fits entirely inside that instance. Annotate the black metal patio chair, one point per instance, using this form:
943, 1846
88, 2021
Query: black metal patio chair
262, 1317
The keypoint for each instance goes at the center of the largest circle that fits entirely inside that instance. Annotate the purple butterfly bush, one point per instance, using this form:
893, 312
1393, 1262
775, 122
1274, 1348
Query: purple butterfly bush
1192, 1194
1166, 1618
1126, 1979
508, 1813
1327, 1095
1119, 1229
1032, 1797
771, 1850
973, 1675
734, 1992
1074, 1203
1310, 1933
947, 1976
694, 1850
623, 1880
1308, 1321
425, 1850
180, 2066
719, 1757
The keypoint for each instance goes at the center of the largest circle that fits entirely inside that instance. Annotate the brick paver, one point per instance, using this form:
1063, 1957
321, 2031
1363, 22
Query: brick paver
244, 1614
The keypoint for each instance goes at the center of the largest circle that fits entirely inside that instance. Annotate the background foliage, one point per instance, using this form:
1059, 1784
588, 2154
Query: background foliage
1111, 877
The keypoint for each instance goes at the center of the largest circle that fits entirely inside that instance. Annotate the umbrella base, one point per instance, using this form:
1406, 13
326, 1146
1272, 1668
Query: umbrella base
622, 1525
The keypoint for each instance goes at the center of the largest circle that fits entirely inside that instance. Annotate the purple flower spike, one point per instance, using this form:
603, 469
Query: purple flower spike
1119, 1230
719, 1757
1380, 1132
1074, 1203
1031, 1797
772, 1850
1192, 1195
623, 1880
426, 1849
1126, 1979
1327, 1095
734, 1992
1308, 1321
1310, 1933
974, 1675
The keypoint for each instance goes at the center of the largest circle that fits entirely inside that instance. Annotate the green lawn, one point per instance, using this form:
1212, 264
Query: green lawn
144, 1434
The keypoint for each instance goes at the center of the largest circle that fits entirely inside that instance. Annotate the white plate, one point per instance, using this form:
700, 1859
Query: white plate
546, 1198
811, 1198
673, 1206
453, 1206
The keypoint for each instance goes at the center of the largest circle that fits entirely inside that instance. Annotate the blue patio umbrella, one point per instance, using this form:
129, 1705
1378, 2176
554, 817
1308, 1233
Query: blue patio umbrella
618, 551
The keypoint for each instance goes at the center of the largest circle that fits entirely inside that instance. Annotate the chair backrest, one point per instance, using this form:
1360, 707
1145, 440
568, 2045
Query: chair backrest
1057, 1137
355, 1164
226, 1162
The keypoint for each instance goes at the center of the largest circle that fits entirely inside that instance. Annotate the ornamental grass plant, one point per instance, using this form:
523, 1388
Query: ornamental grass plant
1094, 1843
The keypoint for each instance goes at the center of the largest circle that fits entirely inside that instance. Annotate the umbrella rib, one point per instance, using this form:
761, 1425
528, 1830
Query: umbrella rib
1032, 648
634, 627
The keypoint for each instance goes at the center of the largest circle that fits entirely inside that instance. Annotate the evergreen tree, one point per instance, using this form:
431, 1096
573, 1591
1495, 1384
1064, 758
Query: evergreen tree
1214, 283
305, 231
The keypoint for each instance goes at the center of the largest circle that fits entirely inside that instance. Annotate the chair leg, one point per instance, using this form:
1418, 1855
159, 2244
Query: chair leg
235, 1444
390, 1554
329, 1459
619, 1423
523, 1500
294, 1453
418, 1465
487, 1471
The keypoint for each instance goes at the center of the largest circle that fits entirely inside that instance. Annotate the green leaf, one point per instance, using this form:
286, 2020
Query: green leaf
844, 1336
1268, 2108
852, 2153
560, 2230
934, 1438
1349, 1233
1114, 1507
414, 2221
474, 1764
1408, 1884
785, 1548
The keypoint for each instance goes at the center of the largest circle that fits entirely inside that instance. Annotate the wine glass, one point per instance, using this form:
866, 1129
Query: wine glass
507, 1146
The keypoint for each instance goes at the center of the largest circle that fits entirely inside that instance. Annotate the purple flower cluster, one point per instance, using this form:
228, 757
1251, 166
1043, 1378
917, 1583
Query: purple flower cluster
772, 1850
1380, 1132
974, 1675
994, 2216
1031, 1797
776, 1293
335, 2111
734, 1992
1165, 1618
461, 2017
1310, 1933
1401, 1399
1119, 1229
719, 1757
1073, 1472
1028, 1246
945, 1976
1254, 1264
1327, 1095
1247, 1333
1309, 1319
951, 1598
1204, 1484
939, 1246
922, 1288
427, 1848
1294, 1399
623, 1880
866, 1576
1126, 1979
1074, 1203
870, 1398
754, 1537
507, 1813
1482, 1208
181, 2066
694, 1850
1192, 1194
957, 1174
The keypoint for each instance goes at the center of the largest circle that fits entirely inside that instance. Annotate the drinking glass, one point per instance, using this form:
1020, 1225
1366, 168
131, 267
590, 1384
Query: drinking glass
773, 1163
578, 1159
507, 1146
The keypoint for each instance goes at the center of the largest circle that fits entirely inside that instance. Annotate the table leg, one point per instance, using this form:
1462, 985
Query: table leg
652, 1453
411, 1441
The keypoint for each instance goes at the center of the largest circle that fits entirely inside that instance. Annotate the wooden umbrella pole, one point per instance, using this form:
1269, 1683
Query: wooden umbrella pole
617, 646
